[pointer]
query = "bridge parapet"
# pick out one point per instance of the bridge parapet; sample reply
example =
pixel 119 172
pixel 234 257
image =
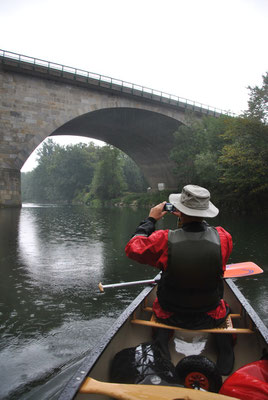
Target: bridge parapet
pixel 79 77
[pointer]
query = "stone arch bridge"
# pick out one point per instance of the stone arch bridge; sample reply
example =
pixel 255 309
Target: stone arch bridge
pixel 41 99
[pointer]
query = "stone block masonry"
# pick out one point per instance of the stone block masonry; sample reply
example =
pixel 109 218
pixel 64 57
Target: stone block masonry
pixel 10 192
pixel 37 102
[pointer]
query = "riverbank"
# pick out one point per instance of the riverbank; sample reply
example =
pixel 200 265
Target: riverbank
pixel 228 203
pixel 148 199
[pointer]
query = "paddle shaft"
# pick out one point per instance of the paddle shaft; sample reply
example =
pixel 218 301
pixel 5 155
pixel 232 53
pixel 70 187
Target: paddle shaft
pixel 237 270
pixel 112 285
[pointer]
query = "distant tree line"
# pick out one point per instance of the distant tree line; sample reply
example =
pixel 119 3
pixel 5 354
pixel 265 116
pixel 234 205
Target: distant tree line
pixel 81 173
pixel 228 155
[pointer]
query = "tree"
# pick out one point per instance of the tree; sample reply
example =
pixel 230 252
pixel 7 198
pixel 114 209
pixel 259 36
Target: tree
pixel 108 182
pixel 258 101
pixel 227 155
pixel 244 158
pixel 26 186
pixel 187 143
pixel 133 176
pixel 72 169
pixel 42 180
pixel 197 149
pixel 65 174
pixel 61 173
pixel 206 161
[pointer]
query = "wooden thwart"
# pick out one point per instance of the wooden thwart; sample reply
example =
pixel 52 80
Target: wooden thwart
pixel 226 327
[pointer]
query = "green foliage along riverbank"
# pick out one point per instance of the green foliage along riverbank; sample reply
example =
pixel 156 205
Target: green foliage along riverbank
pixel 228 155
pixel 81 173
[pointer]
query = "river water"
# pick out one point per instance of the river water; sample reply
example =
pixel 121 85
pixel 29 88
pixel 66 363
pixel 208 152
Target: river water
pixel 51 261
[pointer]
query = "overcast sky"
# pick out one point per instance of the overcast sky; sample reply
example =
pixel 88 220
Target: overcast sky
pixel 203 50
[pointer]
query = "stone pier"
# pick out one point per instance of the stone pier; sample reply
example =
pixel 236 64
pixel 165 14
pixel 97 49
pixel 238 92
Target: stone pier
pixel 10 193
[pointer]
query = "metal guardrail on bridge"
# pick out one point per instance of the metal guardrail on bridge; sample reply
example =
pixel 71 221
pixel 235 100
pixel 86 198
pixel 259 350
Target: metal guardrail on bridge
pixel 106 82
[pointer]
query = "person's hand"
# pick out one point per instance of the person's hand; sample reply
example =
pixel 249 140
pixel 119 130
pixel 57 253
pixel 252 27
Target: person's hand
pixel 157 211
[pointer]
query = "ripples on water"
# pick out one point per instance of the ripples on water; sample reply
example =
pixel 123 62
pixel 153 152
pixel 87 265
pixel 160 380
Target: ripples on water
pixel 52 259
pixel 51 312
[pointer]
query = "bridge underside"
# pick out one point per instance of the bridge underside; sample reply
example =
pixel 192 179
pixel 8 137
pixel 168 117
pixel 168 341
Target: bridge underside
pixel 146 136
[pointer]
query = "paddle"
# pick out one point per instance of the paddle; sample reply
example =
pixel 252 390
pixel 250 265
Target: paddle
pixel 146 392
pixel 232 271
pixel 242 269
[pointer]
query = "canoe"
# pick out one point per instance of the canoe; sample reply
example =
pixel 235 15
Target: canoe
pixel 133 329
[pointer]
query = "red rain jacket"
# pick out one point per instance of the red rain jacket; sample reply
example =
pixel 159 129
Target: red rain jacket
pixel 153 250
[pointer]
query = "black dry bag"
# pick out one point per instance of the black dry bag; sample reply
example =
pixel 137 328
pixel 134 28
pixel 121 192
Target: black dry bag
pixel 143 364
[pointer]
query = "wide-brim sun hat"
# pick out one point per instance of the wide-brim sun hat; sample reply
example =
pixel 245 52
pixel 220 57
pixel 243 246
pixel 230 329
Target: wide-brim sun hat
pixel 194 201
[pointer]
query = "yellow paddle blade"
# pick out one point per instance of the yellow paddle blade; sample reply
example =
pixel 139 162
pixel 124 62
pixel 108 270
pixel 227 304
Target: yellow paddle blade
pixel 146 392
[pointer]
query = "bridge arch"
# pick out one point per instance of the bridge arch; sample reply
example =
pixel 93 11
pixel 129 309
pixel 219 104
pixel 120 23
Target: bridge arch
pixel 146 136
pixel 33 109
pixel 37 102
pixel 125 124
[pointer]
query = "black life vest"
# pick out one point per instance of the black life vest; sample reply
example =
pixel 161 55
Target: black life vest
pixel 193 278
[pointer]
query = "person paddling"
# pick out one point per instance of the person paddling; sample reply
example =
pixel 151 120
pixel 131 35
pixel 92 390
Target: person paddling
pixel 192 259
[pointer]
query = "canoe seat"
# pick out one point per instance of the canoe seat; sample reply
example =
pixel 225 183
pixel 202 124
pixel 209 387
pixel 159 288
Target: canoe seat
pixel 226 327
